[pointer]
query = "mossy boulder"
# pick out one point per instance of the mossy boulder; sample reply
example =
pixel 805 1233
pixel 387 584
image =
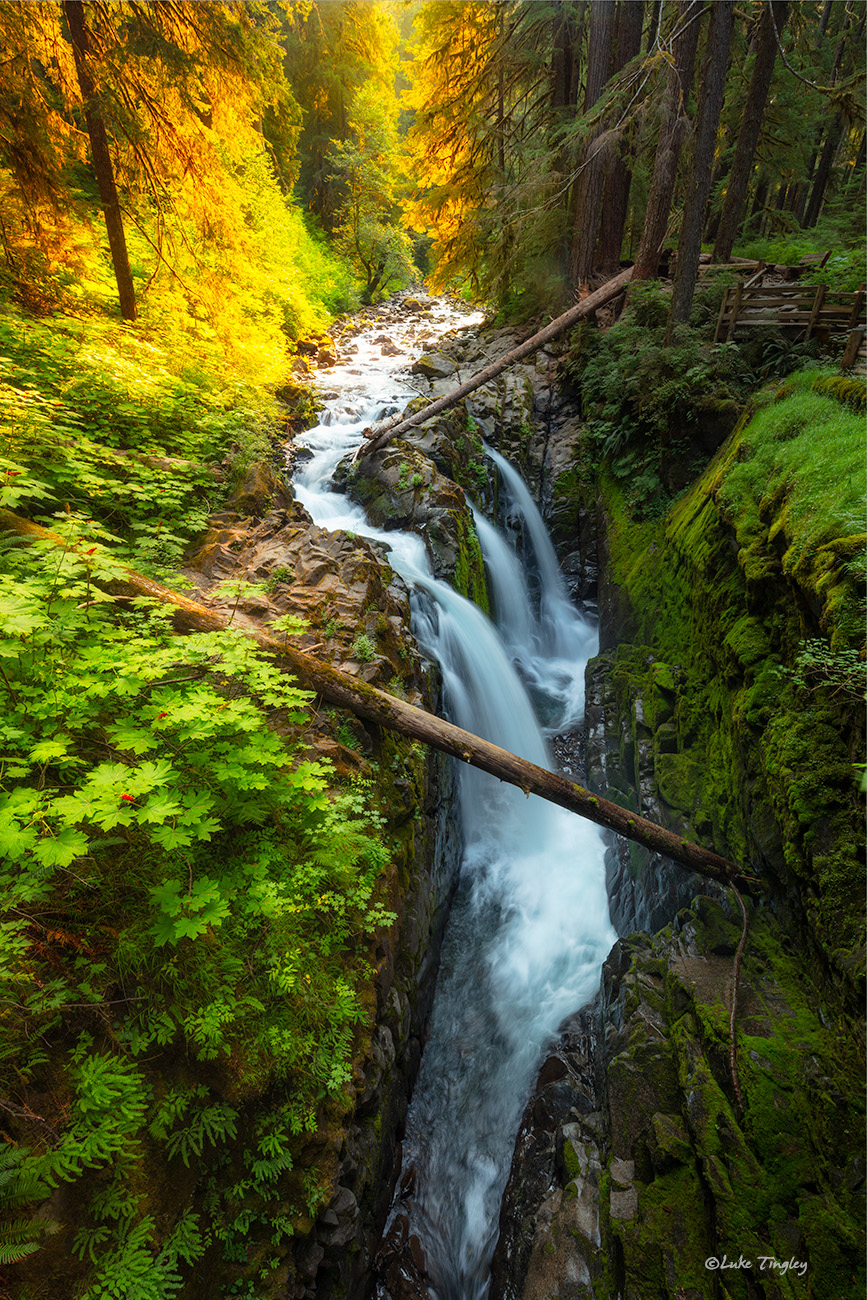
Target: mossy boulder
pixel 401 488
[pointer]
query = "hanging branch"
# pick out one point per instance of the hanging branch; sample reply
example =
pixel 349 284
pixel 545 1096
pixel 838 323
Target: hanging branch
pixel 348 692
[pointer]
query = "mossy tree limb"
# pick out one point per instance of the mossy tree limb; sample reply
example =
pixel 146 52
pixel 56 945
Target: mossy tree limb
pixel 385 710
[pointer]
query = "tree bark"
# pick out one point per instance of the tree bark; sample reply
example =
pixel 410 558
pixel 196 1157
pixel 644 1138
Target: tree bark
pixel 587 195
pixel 671 132
pixel 99 152
pixel 565 83
pixel 809 189
pixel 384 710
pixel 719 39
pixel 618 172
pixel 773 20
pixel 379 435
pixel 823 171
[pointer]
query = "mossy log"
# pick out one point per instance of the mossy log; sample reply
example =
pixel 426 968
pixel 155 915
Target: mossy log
pixel 379 434
pixel 385 710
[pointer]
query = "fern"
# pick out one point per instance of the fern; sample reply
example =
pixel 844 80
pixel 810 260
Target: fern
pixel 19 1185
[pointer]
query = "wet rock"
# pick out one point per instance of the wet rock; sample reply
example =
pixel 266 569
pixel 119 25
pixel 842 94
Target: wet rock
pixel 549 1219
pixel 400 1263
pixel 630 700
pixel 433 365
pixel 259 490
pixel 686 1175
pixel 401 488
pixel 356 608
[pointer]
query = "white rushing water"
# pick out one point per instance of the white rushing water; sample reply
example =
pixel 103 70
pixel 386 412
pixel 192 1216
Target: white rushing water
pixel 529 928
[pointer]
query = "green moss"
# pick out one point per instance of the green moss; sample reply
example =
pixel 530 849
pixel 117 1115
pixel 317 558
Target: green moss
pixel 748 641
pixel 757 765
pixel 678 778
pixel 470 568
pixel 571 1160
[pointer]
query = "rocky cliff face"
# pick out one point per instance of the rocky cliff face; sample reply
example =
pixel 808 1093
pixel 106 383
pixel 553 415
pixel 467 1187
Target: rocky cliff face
pixel 638 1172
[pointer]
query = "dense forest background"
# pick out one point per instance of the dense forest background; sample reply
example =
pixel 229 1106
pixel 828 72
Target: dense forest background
pixel 269 163
pixel 190 194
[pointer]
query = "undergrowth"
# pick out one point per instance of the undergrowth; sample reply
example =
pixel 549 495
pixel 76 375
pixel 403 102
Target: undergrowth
pixel 645 398
pixel 186 902
pixel 185 909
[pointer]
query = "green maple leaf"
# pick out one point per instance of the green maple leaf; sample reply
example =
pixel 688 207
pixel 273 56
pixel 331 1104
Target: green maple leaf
pixel 44 750
pixel 171 837
pixel 66 846
pixel 125 735
pixel 159 808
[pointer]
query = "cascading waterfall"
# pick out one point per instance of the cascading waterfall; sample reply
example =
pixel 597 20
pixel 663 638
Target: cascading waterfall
pixel 529 927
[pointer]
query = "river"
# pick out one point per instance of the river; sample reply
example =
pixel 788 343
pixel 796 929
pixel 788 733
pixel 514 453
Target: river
pixel 529 927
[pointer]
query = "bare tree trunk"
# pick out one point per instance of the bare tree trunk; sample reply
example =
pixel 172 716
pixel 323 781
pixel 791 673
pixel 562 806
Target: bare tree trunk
pixel 618 173
pixel 856 176
pixel 99 151
pixel 773 20
pixel 811 192
pixel 384 710
pixel 379 435
pixel 823 171
pixel 671 133
pixel 719 39
pixel 567 25
pixel 587 195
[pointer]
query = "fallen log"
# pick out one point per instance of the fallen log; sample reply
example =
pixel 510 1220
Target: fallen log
pixel 379 434
pixel 385 710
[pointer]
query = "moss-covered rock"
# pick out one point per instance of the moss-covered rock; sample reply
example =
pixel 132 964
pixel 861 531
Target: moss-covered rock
pixel 401 488
pixel 690 1188
pixel 744 752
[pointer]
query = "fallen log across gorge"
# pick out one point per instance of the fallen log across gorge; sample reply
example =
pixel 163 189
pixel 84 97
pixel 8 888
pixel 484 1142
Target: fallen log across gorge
pixel 379 434
pixel 368 702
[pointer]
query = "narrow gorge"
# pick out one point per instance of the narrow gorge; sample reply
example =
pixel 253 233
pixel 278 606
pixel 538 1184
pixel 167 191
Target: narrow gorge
pixel 645 1150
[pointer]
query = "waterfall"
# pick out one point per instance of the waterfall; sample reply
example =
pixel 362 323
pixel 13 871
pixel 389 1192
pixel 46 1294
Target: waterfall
pixel 529 928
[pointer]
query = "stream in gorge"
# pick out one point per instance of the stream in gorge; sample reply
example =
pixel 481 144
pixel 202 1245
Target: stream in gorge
pixel 529 927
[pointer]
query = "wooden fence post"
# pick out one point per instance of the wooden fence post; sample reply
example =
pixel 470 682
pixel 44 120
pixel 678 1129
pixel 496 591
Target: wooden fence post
pixel 736 306
pixel 821 290
pixel 721 317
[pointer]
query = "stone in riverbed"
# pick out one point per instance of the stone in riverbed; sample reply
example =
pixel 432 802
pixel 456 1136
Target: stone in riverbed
pixel 433 365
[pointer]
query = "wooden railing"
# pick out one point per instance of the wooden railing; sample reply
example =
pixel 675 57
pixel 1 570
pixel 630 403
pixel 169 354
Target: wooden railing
pixel 805 308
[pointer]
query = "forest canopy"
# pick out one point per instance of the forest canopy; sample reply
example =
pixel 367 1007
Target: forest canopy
pixel 267 162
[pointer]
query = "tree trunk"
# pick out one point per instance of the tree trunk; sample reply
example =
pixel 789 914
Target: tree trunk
pixel 587 195
pixel 719 39
pixel 856 176
pixel 379 435
pixel 773 20
pixel 99 152
pixel 811 194
pixel 618 173
pixel 823 171
pixel 757 212
pixel 384 710
pixel 671 132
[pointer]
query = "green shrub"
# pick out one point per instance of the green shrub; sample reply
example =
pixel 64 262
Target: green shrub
pixel 172 868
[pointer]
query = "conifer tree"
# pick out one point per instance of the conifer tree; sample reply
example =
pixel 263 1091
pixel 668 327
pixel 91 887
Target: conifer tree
pixel 772 21
pixel 101 156
pixel 673 122
pixel 710 103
